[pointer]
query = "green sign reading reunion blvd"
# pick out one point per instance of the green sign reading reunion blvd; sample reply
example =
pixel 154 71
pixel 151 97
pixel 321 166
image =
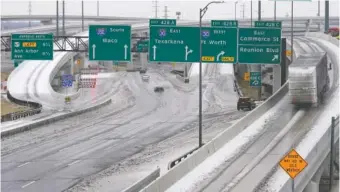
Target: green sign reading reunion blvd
pixel 259 45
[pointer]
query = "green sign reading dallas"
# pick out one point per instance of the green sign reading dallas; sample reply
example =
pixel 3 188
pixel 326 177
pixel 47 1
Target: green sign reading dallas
pixel 181 44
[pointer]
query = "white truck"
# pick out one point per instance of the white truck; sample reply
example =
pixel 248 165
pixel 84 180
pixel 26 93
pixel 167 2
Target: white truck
pixel 308 79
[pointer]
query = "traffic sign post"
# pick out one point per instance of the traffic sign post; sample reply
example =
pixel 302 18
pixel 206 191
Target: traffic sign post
pixel 168 22
pixel 67 80
pixel 255 79
pixel 224 23
pixel 293 164
pixel 174 44
pixel 142 46
pixel 181 44
pixel 32 47
pixel 109 43
pixel 259 46
pixel 268 24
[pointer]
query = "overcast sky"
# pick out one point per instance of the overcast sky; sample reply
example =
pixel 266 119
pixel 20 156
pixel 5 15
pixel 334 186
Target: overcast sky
pixel 145 8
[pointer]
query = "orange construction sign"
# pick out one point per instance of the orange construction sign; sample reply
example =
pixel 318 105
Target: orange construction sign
pixel 293 163
pixel 288 52
pixel 246 76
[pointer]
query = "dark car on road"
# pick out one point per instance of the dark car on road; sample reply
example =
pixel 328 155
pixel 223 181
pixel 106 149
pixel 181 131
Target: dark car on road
pixel 158 89
pixel 245 103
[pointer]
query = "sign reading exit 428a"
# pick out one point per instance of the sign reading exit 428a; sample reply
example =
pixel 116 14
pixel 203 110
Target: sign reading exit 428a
pixel 109 43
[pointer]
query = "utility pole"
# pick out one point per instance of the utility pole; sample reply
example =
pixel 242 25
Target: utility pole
pixel 178 15
pixel 97 8
pixel 63 17
pixel 29 13
pixel 82 15
pixel 243 7
pixel 292 32
pixel 259 10
pixel 251 13
pixel 165 12
pixel 274 10
pixel 235 8
pixel 326 15
pixel 156 8
pixel 57 19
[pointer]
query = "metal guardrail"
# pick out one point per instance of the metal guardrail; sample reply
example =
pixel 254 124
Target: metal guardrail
pixel 17 115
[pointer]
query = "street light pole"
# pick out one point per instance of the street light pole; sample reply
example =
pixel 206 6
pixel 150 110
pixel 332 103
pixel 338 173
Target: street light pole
pixel 251 13
pixel 202 13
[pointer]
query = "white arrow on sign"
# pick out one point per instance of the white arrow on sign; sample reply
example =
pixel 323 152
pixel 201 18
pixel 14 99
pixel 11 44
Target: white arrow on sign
pixel 94 51
pixel 125 51
pixel 219 55
pixel 255 82
pixel 154 52
pixel 187 52
pixel 276 57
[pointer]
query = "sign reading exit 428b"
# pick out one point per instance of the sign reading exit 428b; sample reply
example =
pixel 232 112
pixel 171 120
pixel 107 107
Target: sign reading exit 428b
pixel 110 42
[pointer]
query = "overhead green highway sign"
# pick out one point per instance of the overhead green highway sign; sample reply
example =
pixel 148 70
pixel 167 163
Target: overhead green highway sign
pixel 174 44
pixel 259 45
pixel 109 43
pixel 255 79
pixel 219 45
pixel 143 45
pixel 181 44
pixel 224 23
pixel 32 47
pixel 168 22
pixel 268 24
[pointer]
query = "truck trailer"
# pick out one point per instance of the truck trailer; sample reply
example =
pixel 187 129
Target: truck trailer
pixel 308 79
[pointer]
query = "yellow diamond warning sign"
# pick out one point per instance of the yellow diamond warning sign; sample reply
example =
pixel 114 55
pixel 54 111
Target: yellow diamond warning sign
pixel 293 163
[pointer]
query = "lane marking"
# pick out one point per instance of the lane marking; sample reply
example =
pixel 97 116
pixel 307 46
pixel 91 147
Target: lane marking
pixel 24 164
pixel 74 162
pixel 30 183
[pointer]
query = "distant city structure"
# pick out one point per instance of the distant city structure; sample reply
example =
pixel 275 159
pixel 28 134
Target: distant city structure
pixel 155 2
pixel 178 14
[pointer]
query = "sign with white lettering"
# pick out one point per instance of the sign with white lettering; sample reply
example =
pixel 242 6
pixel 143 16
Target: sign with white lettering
pixel 181 44
pixel 259 45
pixel 109 43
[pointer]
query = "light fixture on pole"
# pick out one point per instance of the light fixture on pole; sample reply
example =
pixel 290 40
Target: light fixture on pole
pixel 202 13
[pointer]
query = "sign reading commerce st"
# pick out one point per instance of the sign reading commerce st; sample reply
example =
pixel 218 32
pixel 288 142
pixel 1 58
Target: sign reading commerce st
pixel 259 45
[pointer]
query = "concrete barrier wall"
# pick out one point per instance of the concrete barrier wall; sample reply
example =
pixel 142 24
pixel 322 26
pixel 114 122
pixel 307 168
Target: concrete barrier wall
pixel 47 121
pixel 325 37
pixel 172 176
pixel 144 182
pixel 314 158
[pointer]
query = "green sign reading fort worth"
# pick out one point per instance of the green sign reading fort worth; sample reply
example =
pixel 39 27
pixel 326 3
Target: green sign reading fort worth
pixel 32 47
pixel 259 46
pixel 219 45
pixel 181 44
pixel 168 22
pixel 109 43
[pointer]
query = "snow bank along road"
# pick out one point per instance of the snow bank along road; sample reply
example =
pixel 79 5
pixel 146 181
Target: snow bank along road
pixel 225 171
pixel 59 155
